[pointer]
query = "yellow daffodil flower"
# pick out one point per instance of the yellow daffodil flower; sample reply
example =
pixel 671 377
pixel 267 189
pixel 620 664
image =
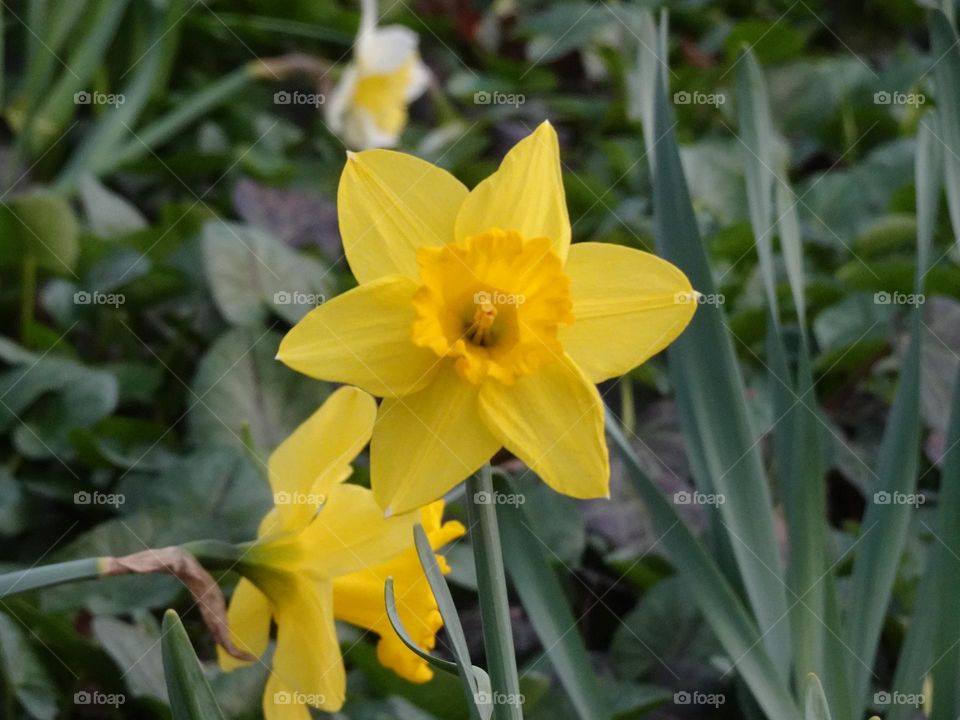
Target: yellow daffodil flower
pixel 479 323
pixel 323 553
pixel 368 107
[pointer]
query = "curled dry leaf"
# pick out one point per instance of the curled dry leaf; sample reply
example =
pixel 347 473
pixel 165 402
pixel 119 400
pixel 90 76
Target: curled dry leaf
pixel 188 570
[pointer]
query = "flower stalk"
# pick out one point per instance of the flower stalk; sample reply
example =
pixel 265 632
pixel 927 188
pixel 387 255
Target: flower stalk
pixel 492 590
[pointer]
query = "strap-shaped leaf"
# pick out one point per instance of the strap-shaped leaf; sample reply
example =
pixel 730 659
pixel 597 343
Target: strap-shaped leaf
pixel 710 394
pixel 542 597
pixel 397 623
pixel 713 593
pixel 814 702
pixel 190 695
pixel 466 670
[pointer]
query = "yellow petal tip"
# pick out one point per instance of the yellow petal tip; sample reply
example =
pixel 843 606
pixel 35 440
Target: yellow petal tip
pixel 351 155
pixel 388 513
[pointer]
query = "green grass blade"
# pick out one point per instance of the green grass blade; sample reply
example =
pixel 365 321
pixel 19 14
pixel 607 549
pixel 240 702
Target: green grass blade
pixel 791 246
pixel 835 654
pixel 451 621
pixel 190 695
pixel 757 149
pixel 946 73
pixel 929 181
pixel 946 689
pixel 543 598
pixel 59 105
pixel 712 405
pixel 113 129
pixel 187 111
pixel 814 701
pixel 916 656
pixel 886 521
pixel 720 605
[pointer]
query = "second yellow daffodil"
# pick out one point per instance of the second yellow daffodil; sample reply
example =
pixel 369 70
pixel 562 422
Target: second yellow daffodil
pixel 323 554
pixel 479 323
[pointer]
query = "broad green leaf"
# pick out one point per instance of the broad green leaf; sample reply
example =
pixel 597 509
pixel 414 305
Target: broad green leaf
pixel 135 650
pixel 190 695
pixel 23 672
pixel 665 634
pixel 542 596
pixel 251 273
pixel 239 384
pixel 107 213
pixel 711 400
pixel 46 398
pixel 39 227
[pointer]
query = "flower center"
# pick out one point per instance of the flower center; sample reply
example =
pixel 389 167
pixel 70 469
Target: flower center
pixel 480 331
pixel 494 302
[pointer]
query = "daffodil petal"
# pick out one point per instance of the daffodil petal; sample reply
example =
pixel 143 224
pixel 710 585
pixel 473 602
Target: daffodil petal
pixel 424 444
pixel 628 305
pixel 358 599
pixel 318 454
pixel 390 204
pixel 384 49
pixel 282 703
pixel 353 533
pixel 525 194
pixel 249 619
pixel 307 658
pixel 362 338
pixel 553 421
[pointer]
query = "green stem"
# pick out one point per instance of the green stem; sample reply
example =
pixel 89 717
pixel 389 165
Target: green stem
pixel 492 589
pixel 20 581
pixel 28 289
pixel 212 554
pixel 216 554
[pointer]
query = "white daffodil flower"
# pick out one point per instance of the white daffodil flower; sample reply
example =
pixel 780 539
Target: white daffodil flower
pixel 368 107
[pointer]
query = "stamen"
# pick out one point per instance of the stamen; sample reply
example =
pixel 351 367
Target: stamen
pixel 480 331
